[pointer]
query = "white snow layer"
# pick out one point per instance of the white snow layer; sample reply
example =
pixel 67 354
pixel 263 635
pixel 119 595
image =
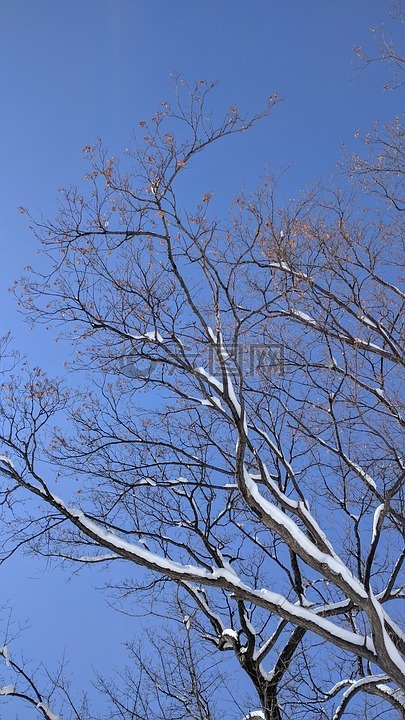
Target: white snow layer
pixel 367 321
pixel 211 379
pixel 154 335
pixel 335 565
pixel 212 402
pixel 376 519
pixel 6 460
pixel 392 651
pixel 278 602
pixel 281 265
pixel 303 316
pixel 228 632
pixel 212 335
pixel 7 690
pixel 4 651
pixel 47 710
pixel 151 335
pixel 365 476
pixel 356 685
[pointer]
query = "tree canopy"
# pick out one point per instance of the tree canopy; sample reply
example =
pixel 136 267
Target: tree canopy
pixel 240 432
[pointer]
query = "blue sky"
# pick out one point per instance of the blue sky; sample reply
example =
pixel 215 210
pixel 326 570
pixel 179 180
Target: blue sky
pixel 74 70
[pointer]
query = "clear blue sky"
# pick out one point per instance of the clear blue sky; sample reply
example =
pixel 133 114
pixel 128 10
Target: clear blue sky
pixel 73 70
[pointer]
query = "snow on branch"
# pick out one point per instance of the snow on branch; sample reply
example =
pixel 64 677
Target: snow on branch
pixel 6 461
pixel 227 579
pixel 374 684
pixel 210 378
pixel 301 544
pixel 4 651
pixel 47 711
pixel 7 690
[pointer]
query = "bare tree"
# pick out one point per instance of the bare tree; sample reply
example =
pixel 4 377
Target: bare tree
pixel 35 687
pixel 381 170
pixel 241 437
pixel 385 50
